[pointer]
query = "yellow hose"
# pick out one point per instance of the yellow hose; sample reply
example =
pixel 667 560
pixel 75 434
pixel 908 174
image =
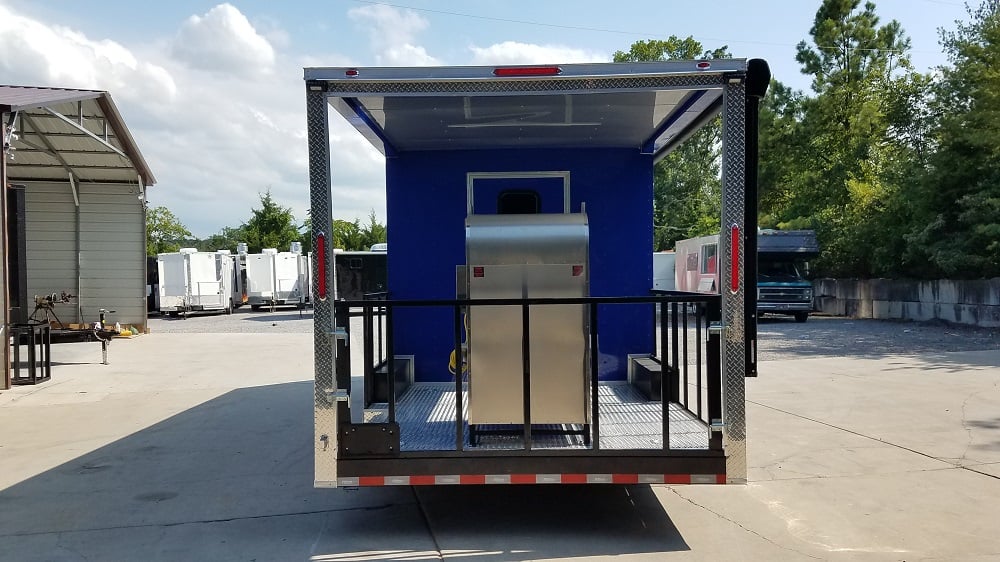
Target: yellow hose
pixel 452 367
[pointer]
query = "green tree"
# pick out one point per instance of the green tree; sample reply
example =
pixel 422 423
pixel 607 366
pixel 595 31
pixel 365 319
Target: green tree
pixel 164 231
pixel 686 183
pixel 225 239
pixel 843 175
pixel 957 226
pixel 373 232
pixel 270 226
pixel 784 151
pixel 347 235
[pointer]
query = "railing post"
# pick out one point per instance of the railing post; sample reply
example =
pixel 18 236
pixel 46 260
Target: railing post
pixel 684 356
pixel 699 312
pixel 380 317
pixel 342 358
pixel 526 385
pixel 367 328
pixel 459 360
pixel 664 356
pixel 674 394
pixel 390 363
pixel 595 418
pixel 713 363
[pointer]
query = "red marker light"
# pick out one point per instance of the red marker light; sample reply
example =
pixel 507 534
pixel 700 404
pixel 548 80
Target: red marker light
pixel 734 267
pixel 321 265
pixel 509 71
pixel 704 65
pixel 351 72
pixel 577 270
pixel 479 271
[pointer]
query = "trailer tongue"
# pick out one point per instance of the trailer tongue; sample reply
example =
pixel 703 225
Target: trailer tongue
pixel 519 340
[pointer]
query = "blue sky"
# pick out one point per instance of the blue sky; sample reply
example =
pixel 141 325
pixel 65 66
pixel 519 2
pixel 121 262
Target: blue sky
pixel 213 92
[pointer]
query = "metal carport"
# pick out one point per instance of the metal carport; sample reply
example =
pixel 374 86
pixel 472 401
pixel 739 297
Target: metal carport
pixel 74 202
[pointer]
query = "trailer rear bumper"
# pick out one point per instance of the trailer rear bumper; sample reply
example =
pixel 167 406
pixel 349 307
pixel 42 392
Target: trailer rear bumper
pixel 701 467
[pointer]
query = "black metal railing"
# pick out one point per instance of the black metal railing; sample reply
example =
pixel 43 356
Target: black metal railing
pixel 683 326
pixel 683 329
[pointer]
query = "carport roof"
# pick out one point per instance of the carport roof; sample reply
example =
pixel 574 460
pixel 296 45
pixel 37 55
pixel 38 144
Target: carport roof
pixel 58 131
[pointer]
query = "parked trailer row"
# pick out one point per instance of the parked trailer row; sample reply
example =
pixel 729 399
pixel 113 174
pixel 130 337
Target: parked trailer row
pixel 277 278
pixel 193 281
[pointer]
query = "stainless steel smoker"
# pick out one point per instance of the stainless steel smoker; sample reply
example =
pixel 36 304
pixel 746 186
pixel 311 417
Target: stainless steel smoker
pixel 527 256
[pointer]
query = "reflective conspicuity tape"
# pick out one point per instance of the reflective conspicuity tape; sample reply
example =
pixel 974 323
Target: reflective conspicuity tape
pixel 457 479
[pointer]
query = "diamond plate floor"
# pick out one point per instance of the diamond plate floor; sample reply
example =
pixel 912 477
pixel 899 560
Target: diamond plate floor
pixel 426 416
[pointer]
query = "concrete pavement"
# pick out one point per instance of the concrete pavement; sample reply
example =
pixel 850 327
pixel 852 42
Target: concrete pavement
pixel 199 446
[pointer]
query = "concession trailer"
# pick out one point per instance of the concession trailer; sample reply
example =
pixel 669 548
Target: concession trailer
pixel 520 339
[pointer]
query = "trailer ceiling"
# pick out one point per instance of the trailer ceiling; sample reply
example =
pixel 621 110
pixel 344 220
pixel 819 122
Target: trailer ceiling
pixel 646 106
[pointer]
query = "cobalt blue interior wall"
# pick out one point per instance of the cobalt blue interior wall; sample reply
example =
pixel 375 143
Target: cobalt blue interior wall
pixel 426 209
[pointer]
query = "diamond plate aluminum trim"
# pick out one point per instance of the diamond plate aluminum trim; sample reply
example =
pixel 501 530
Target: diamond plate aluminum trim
pixel 617 83
pixel 325 412
pixel 733 187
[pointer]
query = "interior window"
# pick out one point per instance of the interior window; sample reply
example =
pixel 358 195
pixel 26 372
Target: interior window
pixel 518 202
pixel 708 258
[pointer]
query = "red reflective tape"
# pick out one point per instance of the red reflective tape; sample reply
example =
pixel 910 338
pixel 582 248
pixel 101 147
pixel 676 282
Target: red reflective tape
pixel 734 267
pixel 527 71
pixel 676 478
pixel 480 479
pixel 577 270
pixel 321 265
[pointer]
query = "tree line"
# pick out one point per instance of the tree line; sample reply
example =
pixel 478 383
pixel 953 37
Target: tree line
pixel 896 170
pixel 269 226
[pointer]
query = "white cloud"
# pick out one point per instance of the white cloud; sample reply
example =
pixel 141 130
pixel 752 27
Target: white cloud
pixel 34 54
pixel 512 52
pixel 271 29
pixel 406 55
pixel 214 143
pixel 393 33
pixel 223 40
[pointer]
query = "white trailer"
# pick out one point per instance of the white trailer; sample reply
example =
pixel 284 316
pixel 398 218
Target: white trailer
pixel 277 278
pixel 697 264
pixel 663 271
pixel 193 281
